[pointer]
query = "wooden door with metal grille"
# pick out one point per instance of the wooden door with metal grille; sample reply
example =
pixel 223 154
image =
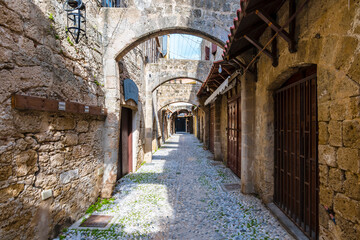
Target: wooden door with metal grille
pixel 212 128
pixel 296 157
pixel 234 136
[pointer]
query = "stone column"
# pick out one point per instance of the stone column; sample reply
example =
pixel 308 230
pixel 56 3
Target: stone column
pixel 112 128
pixel 148 119
pixel 248 87
pixel 217 131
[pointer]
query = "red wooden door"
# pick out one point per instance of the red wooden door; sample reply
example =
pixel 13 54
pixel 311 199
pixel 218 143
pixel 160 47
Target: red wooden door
pixel 212 128
pixel 234 135
pixel 125 146
pixel 296 161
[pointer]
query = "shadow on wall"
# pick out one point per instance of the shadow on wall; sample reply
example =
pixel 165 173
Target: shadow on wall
pixel 40 150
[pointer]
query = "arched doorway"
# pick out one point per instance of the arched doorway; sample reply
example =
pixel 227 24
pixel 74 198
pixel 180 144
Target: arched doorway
pixel 121 39
pixel 296 155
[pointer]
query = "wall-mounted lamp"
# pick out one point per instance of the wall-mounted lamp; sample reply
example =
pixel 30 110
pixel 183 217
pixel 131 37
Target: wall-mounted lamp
pixel 76 19
pixel 220 69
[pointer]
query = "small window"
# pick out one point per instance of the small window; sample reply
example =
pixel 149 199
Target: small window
pixel 207 53
pixel 213 48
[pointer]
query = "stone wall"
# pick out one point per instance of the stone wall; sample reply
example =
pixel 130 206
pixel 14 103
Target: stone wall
pixel 41 150
pixel 177 92
pixel 328 36
pixel 133 66
pixel 168 69
pixel 218 150
pixel 223 127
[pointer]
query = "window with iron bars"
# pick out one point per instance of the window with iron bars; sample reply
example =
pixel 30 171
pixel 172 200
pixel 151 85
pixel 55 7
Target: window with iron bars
pixel 114 3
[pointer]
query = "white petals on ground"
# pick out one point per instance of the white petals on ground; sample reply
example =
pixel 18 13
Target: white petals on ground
pixel 179 196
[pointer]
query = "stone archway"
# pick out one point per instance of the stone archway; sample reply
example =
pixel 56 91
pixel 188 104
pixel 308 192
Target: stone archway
pixel 168 69
pixel 176 78
pixel 125 28
pixel 179 100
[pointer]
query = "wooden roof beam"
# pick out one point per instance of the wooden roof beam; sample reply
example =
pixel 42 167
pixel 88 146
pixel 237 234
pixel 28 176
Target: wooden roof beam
pixel 274 26
pixel 259 46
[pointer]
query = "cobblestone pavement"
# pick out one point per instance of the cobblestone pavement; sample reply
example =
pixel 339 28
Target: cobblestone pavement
pixel 180 196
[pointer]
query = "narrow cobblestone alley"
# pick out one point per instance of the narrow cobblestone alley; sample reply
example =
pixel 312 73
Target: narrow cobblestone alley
pixel 180 196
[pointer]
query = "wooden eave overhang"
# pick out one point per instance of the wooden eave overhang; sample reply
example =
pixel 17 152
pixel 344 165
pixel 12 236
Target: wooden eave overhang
pixel 250 25
pixel 215 79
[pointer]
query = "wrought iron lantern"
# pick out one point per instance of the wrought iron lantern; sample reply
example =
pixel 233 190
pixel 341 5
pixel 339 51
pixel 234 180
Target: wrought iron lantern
pixel 76 19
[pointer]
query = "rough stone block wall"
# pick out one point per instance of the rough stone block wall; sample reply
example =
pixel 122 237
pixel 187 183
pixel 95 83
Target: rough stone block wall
pixel 40 150
pixel 223 126
pixel 177 92
pixel 132 66
pixel 218 153
pixel 328 36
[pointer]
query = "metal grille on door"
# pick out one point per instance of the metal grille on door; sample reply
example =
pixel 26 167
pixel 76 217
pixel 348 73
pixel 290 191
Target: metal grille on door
pixel 212 128
pixel 234 136
pixel 296 160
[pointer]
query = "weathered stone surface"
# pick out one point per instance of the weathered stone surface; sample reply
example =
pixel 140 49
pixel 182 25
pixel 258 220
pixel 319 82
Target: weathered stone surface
pixel 346 50
pixel 10 19
pixel 323 174
pixel 327 155
pixel 82 126
pixel 11 191
pixel 68 176
pixel 25 123
pixel 323 133
pixel 340 109
pixel 326 196
pixel 336 179
pixel 63 124
pixel 352 186
pixel 324 111
pixel 347 208
pixel 26 163
pixel 349 159
pixel 343 87
pixel 351 130
pixel 326 78
pixel 5 172
pixel 354 71
pixel 57 160
pixel 347 229
pixel 335 132
pixel 45 180
pixel 71 139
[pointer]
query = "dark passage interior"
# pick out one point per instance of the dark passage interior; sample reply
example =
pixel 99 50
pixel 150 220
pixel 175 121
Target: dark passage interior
pixel 180 125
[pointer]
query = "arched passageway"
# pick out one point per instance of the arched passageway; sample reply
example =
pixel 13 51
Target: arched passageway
pixel 168 69
pixel 125 28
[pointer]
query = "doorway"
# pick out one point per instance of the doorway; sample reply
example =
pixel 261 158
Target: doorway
pixel 296 157
pixel 180 124
pixel 212 128
pixel 234 135
pixel 125 144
